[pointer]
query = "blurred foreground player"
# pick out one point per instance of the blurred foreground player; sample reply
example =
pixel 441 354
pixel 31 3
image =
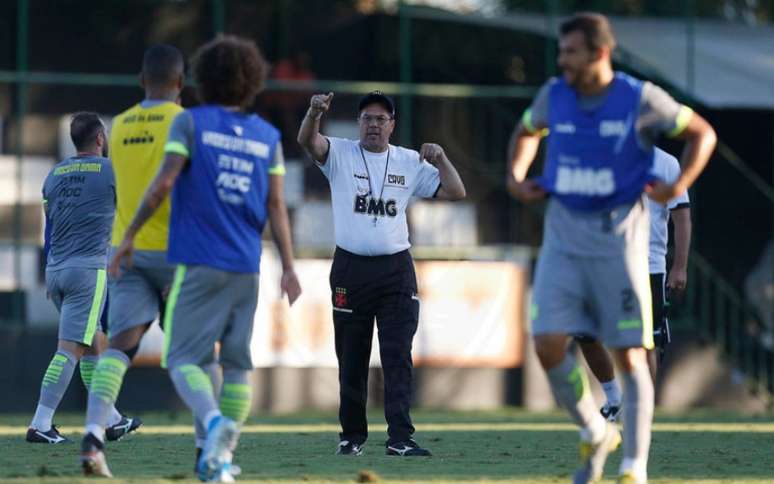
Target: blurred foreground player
pixel 592 273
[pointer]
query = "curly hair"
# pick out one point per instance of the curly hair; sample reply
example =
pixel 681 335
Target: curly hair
pixel 229 70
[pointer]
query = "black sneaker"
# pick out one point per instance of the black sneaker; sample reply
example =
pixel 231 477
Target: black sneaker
pixel 610 412
pixel 51 436
pixel 349 448
pixel 93 460
pixel 125 426
pixel 407 448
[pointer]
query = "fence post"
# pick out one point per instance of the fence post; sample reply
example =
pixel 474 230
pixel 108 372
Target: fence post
pixel 22 28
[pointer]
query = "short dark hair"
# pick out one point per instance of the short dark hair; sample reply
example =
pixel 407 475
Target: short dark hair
pixel 229 70
pixel 162 64
pixel 595 27
pixel 84 128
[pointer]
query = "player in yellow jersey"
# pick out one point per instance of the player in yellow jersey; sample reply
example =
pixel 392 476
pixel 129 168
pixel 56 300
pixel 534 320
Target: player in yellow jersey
pixel 136 298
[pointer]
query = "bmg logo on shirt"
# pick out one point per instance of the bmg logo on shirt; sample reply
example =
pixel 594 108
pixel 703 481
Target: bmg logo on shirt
pixel 371 206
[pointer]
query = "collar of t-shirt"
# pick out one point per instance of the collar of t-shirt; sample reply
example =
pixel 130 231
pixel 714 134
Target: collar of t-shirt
pixel 152 103
pixel 375 166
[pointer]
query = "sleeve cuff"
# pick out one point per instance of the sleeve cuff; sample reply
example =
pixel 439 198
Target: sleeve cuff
pixel 177 148
pixel 683 118
pixel 526 121
pixel 680 206
pixel 278 170
pixel 435 193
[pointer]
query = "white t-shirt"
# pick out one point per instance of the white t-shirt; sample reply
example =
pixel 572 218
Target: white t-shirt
pixel 370 193
pixel 667 168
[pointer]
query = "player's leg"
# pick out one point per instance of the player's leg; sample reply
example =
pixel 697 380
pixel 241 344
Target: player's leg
pixel 80 296
pixel 353 326
pixel 116 422
pixel 558 309
pixel 198 308
pixel 236 362
pixel 637 411
pixel 601 364
pixel 134 304
pixel 623 302
pixel 55 382
pixel 661 333
pixel 215 375
pixel 397 317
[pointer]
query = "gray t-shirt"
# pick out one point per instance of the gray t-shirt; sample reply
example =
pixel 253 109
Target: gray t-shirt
pixel 79 197
pixel 659 113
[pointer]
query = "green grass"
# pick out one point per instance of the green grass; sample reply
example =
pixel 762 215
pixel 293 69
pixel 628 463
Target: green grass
pixel 502 446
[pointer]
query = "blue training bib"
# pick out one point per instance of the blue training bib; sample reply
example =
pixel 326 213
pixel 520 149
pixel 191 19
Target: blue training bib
pixel 219 200
pixel 594 161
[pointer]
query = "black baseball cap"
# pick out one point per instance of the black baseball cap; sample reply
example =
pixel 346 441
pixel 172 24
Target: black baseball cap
pixel 377 97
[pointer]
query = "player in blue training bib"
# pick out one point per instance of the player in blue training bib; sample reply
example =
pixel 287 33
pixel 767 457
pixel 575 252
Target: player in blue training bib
pixel 226 167
pixel 591 277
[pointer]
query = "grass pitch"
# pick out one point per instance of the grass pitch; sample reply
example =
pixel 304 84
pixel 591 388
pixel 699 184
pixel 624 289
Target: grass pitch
pixel 502 446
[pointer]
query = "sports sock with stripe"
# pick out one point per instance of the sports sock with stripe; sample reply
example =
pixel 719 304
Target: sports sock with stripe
pixel 213 371
pixel 195 389
pixel 638 402
pixel 571 389
pixel 55 382
pixel 105 386
pixel 236 396
pixel 88 365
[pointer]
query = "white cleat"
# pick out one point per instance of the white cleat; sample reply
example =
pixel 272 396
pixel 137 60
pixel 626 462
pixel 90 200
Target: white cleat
pixel 215 462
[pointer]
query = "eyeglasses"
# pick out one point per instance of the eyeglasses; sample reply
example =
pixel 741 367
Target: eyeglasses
pixel 380 120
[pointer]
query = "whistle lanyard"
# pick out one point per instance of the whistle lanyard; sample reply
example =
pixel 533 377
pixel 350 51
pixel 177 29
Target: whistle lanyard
pixel 368 172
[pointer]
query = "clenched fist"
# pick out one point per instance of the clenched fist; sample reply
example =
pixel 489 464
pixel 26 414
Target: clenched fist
pixel 432 152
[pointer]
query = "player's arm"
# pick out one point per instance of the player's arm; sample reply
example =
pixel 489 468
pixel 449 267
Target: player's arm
pixel 309 136
pixel 678 274
pixel 280 231
pixel 700 140
pixel 523 147
pixel 667 116
pixel 451 187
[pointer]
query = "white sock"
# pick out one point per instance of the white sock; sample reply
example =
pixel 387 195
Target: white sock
pixel 42 419
pixel 115 417
pixel 636 466
pixel 612 392
pixel 97 431
pixel 595 431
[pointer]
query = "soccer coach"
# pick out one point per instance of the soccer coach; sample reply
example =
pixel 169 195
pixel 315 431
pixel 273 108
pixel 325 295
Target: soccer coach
pixel 373 275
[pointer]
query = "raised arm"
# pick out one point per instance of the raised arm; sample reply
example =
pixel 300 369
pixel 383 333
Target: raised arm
pixel 309 136
pixel 451 187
